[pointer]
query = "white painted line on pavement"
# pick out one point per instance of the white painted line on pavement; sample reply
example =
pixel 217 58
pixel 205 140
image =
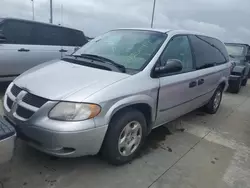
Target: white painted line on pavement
pixel 237 171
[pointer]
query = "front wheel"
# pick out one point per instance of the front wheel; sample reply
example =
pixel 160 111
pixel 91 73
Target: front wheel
pixel 125 136
pixel 214 103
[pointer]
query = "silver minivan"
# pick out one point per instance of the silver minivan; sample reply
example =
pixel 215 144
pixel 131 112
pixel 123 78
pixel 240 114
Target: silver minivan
pixel 24 44
pixel 112 92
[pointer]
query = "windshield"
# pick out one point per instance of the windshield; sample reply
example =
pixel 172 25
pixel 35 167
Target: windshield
pixel 131 48
pixel 234 50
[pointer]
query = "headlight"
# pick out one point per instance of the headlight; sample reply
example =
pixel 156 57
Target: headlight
pixel 69 111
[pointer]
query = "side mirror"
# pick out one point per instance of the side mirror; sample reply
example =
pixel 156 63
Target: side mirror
pixel 2 38
pixel 171 66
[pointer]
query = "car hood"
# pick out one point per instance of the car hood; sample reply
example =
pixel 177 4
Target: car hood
pixel 59 80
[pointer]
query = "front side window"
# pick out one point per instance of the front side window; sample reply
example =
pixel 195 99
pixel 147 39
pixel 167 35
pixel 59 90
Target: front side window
pixel 131 48
pixel 179 48
pixel 207 54
pixel 17 32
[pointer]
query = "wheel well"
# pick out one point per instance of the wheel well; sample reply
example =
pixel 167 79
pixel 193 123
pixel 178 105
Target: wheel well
pixel 223 85
pixel 142 107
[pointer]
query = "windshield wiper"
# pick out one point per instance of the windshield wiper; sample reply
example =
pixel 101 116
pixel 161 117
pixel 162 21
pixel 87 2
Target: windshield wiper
pixel 102 59
pixel 231 56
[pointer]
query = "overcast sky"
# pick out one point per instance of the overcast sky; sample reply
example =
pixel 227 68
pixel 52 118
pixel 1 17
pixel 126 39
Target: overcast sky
pixel 225 19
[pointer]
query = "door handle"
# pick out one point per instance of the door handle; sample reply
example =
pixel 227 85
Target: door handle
pixel 201 81
pixel 23 50
pixel 192 84
pixel 62 50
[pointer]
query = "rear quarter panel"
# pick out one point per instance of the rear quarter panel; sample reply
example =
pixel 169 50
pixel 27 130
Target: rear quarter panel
pixel 224 70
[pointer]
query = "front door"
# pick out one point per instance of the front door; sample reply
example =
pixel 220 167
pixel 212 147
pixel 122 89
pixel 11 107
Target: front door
pixel 177 91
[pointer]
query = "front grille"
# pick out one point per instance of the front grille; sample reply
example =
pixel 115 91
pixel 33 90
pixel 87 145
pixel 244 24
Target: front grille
pixel 23 104
pixel 23 112
pixel 34 100
pixel 15 90
pixel 9 102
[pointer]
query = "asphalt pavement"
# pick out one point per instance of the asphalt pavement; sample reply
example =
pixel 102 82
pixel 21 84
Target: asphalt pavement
pixel 195 151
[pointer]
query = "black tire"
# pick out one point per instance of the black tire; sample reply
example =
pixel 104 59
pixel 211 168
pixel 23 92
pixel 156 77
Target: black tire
pixel 210 107
pixel 110 149
pixel 236 87
pixel 244 82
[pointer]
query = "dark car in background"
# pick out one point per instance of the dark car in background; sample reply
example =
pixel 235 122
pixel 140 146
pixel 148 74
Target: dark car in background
pixel 240 57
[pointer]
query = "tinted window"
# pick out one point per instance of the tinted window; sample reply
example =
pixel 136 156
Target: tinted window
pixel 220 47
pixel 179 48
pixel 79 38
pixel 208 51
pixel 47 35
pixel 73 37
pixel 17 32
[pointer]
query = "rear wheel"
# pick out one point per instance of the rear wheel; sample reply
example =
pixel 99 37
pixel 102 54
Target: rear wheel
pixel 126 134
pixel 213 105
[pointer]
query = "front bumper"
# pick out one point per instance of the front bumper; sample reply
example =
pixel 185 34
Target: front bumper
pixel 62 143
pixel 58 138
pixel 7 141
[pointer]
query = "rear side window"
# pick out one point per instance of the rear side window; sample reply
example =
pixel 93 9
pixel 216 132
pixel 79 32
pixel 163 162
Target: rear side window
pixel 80 38
pixel 47 35
pixel 17 32
pixel 73 37
pixel 220 46
pixel 208 51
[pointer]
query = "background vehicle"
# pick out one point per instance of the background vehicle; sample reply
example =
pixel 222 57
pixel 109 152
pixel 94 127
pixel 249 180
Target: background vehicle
pixel 24 44
pixel 240 57
pixel 114 90
pixel 7 141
